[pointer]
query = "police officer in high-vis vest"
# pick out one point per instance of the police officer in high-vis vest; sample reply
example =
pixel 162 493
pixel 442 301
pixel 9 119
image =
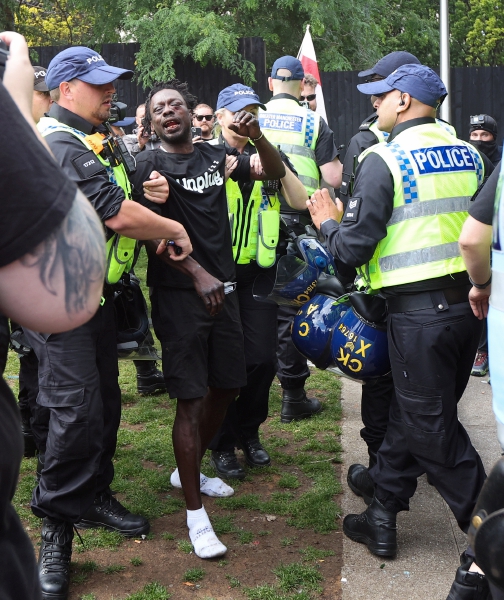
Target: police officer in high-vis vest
pixel 401 229
pixel 309 143
pixel 377 393
pixel 78 371
pixel 254 209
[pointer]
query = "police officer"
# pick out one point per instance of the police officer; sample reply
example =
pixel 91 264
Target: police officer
pixel 377 393
pixel 309 143
pixel 400 229
pixel 78 372
pixel 252 206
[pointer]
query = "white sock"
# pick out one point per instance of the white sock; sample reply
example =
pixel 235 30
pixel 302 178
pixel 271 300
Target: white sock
pixel 213 486
pixel 206 543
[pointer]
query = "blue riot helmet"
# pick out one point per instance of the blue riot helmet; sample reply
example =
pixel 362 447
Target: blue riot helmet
pixel 359 345
pixel 315 254
pixel 134 340
pixel 313 326
pixel 294 284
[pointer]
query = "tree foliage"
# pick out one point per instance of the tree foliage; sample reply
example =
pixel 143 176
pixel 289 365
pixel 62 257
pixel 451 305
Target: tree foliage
pixel 348 34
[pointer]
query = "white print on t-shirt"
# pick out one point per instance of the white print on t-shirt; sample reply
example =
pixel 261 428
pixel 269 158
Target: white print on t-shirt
pixel 203 182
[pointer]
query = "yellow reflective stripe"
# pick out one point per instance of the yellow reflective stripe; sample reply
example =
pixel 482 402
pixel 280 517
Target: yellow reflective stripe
pixel 298 150
pixel 427 208
pixel 420 256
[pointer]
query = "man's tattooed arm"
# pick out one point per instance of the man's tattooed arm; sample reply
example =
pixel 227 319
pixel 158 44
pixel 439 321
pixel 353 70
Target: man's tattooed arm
pixel 57 286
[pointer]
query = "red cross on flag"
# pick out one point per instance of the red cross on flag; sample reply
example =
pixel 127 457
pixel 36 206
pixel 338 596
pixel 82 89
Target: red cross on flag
pixel 308 59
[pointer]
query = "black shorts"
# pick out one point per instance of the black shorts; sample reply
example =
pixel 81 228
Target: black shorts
pixel 198 350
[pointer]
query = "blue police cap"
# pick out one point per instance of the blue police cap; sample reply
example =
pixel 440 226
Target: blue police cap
pixel 236 97
pixel 421 82
pixel 290 64
pixel 85 64
pixel 389 63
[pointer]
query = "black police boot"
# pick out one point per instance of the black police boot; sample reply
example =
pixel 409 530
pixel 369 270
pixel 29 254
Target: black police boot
pixel 149 378
pixel 375 527
pixel 297 406
pixel 30 449
pixel 360 482
pixel 54 559
pixel 109 513
pixel 469 585
pixel 226 464
pixel 255 454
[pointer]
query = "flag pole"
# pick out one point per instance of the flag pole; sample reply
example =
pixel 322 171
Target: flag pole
pixel 444 57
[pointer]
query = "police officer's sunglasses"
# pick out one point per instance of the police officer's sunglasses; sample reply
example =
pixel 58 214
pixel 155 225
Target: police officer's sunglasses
pixel 201 117
pixel 308 98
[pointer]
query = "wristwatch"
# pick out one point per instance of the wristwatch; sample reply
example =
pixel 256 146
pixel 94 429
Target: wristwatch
pixel 481 286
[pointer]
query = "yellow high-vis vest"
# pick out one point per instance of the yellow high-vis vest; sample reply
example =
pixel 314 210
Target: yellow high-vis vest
pixel 120 250
pixel 435 175
pixel 295 129
pixel 244 218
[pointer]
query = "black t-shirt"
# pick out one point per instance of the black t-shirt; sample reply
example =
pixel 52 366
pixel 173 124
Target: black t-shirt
pixel 198 201
pixel 36 197
pixel 482 208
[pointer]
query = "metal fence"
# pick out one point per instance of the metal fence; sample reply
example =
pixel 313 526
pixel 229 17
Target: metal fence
pixel 475 90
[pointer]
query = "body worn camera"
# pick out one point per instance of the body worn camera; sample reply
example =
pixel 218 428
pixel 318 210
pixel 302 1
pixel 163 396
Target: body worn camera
pixel 114 148
pixel 4 55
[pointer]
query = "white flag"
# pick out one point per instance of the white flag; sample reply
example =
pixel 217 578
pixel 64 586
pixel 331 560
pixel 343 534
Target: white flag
pixel 308 59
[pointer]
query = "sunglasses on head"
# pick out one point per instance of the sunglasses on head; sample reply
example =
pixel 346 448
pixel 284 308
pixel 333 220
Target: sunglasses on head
pixel 373 78
pixel 201 117
pixel 308 98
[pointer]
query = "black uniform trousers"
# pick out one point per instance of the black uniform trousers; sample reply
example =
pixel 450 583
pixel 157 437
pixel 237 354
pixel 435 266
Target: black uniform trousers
pixel 293 368
pixel 78 384
pixel 259 322
pixel 36 415
pixel 375 407
pixel 431 355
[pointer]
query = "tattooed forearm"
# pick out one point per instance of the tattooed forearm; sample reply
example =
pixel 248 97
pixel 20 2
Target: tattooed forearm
pixel 77 247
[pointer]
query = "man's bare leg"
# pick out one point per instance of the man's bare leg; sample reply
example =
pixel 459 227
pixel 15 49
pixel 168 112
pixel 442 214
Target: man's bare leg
pixel 196 422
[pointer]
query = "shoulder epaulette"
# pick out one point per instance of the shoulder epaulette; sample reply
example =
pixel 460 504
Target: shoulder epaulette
pixel 366 124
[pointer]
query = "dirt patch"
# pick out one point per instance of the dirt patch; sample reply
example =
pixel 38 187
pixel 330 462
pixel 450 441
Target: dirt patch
pixel 273 543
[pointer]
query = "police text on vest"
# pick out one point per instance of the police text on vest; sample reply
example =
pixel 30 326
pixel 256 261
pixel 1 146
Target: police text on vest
pixel 442 159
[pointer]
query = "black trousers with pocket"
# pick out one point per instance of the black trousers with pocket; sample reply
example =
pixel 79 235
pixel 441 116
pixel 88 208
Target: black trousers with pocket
pixel 246 414
pixel 78 385
pixel 431 355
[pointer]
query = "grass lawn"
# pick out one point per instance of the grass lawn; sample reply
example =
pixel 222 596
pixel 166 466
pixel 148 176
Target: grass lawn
pixel 281 526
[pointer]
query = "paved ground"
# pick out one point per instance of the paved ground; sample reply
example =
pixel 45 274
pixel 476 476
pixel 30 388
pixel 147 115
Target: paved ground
pixel 428 537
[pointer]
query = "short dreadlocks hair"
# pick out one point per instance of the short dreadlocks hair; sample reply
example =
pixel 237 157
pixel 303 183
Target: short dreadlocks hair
pixel 172 84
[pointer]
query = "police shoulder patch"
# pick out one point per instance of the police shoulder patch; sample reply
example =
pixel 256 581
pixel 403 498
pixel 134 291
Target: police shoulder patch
pixel 87 165
pixel 352 209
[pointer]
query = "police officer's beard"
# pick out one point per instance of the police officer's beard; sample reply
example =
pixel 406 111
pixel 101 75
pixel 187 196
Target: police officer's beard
pixel 102 115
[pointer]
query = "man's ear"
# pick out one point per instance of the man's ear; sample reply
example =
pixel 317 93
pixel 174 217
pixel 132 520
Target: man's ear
pixel 270 84
pixel 404 102
pixel 66 90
